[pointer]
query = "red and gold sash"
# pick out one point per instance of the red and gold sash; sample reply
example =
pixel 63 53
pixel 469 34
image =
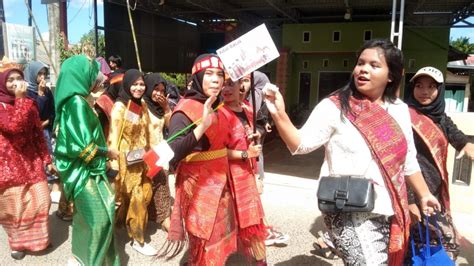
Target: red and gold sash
pixel 389 148
pixel 437 144
pixel 200 179
pixel 243 184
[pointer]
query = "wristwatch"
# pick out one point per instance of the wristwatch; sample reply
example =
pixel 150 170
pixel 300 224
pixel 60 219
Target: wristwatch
pixel 244 155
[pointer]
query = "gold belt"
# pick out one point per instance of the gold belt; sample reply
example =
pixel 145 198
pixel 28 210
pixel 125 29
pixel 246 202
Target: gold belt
pixel 206 155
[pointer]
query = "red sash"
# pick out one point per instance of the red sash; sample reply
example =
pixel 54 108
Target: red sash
pixel 199 184
pixel 388 145
pixel 437 143
pixel 243 185
pixel 106 104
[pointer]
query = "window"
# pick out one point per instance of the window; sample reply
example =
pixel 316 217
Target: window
pixel 411 63
pixel 325 62
pixel 367 35
pixel 336 36
pixel 305 64
pixel 345 63
pixel 306 36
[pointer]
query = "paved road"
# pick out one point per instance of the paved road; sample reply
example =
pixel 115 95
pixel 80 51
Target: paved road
pixel 290 205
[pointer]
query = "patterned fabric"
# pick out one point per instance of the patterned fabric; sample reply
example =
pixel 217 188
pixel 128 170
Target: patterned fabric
pixel 22 160
pixel 92 224
pixel 360 238
pixel 389 147
pixel 249 207
pixel 437 143
pixel 160 207
pixel 203 203
pixel 133 187
pixel 24 216
pixel 223 239
pixel 433 137
pixel 105 104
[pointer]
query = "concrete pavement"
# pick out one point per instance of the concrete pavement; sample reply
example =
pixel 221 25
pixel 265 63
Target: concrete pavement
pixel 290 204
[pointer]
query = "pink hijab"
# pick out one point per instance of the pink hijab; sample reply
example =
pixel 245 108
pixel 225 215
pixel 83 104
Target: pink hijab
pixel 5 95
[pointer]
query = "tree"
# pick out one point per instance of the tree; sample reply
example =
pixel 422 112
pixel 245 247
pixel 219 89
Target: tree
pixel 86 46
pixel 89 39
pixel 463 44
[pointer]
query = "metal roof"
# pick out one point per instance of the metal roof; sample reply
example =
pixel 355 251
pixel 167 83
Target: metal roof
pixel 274 13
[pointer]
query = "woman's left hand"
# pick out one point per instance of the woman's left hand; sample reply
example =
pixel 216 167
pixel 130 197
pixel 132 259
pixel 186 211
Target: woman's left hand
pixel 467 150
pixel 52 169
pixel 163 102
pixel 429 204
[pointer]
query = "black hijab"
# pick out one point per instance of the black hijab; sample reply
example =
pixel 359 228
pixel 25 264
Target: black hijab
pixel 434 110
pixel 196 92
pixel 125 94
pixel 151 80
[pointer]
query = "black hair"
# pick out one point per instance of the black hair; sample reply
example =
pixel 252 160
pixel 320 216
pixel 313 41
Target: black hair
pixel 116 59
pixel 393 57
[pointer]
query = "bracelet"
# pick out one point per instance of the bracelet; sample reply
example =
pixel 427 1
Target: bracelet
pixel 244 156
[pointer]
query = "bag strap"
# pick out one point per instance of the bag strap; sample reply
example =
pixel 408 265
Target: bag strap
pixel 342 192
pixel 427 234
pixel 427 238
pixel 413 250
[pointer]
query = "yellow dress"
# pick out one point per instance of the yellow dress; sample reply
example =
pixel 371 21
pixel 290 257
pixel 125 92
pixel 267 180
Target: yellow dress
pixel 133 187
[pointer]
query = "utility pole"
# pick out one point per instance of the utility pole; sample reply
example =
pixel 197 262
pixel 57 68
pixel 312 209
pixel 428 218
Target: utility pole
pixel 30 23
pixel 2 19
pixel 54 30
pixel 96 33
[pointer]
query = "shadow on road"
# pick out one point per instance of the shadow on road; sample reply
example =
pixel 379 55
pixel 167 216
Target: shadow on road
pixel 304 260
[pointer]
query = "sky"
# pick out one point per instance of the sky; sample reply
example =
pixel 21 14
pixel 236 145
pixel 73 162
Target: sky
pixel 81 17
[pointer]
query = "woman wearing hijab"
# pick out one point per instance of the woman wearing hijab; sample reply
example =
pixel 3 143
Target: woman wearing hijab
pixel 81 153
pixel 433 131
pixel 160 113
pixel 131 131
pixel 103 105
pixel 203 211
pixel 24 193
pixel 35 75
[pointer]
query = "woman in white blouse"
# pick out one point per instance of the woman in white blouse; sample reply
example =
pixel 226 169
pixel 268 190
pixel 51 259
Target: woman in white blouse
pixel 366 131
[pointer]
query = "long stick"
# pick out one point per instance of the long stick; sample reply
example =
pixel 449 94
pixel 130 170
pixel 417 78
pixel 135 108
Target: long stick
pixel 134 37
pixel 41 38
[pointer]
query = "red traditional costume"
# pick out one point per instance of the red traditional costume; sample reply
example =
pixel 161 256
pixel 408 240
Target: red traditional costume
pixel 24 194
pixel 203 197
pixel 244 188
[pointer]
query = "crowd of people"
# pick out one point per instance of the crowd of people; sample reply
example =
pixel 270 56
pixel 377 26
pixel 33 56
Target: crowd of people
pixel 93 131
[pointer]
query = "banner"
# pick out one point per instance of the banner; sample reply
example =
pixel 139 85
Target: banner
pixel 19 43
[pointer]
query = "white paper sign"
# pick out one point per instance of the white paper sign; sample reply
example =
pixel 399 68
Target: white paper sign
pixel 248 53
pixel 165 154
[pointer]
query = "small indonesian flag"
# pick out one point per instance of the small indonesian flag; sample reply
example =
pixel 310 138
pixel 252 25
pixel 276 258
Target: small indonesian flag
pixel 133 112
pixel 157 158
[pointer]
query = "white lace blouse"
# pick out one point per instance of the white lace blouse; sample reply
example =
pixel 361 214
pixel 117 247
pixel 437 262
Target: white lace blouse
pixel 346 152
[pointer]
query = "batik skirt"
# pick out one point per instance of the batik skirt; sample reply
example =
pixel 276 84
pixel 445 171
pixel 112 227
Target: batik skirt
pixel 360 238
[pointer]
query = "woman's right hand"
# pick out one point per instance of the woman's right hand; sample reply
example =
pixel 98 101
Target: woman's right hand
pixel 254 150
pixel 20 89
pixel 273 99
pixel 207 112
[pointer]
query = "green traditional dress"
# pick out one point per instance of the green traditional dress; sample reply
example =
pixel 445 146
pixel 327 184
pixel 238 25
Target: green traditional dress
pixel 80 158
